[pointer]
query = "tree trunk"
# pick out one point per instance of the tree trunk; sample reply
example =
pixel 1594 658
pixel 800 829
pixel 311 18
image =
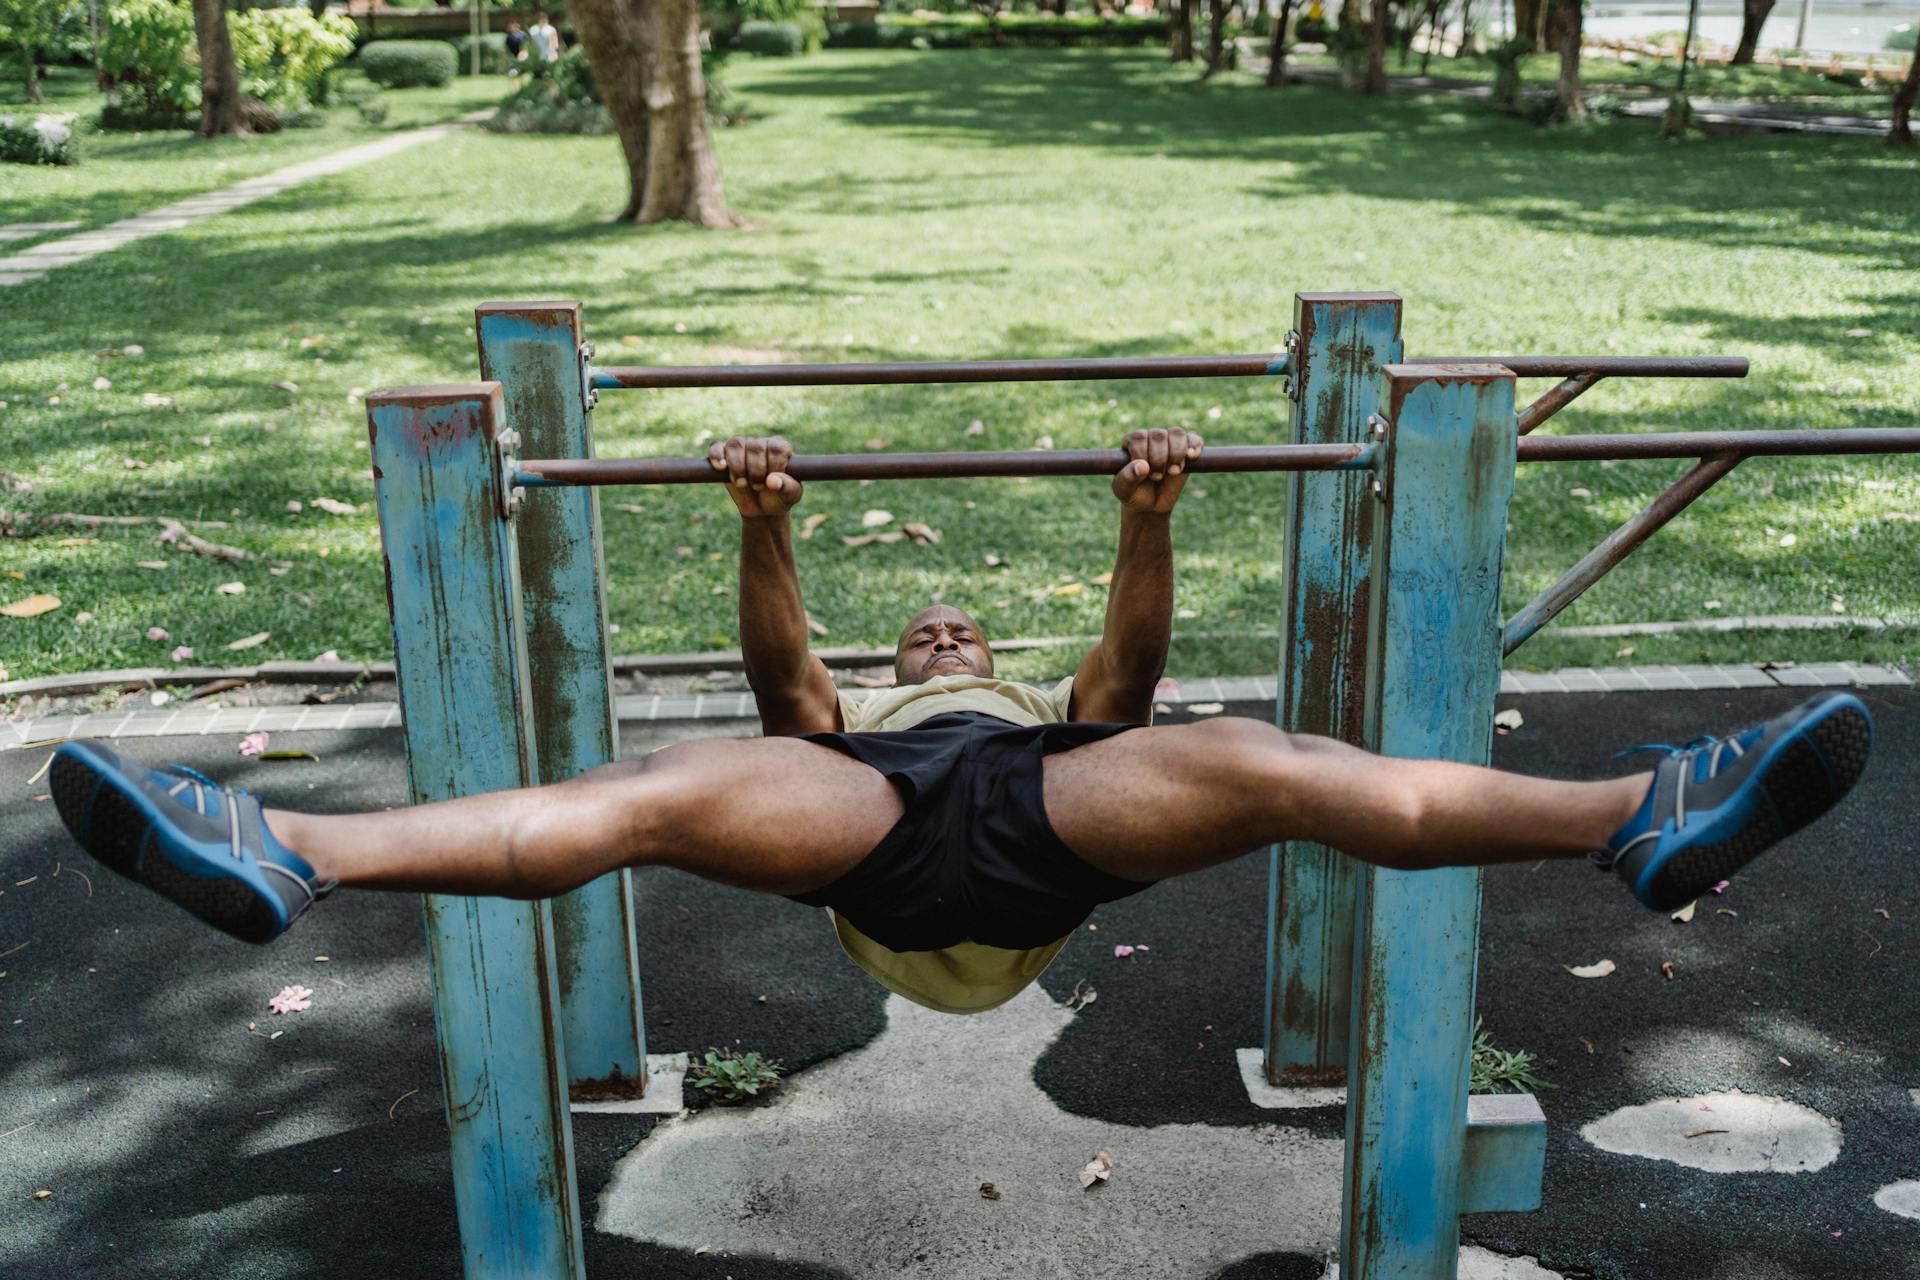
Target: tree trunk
pixel 1216 38
pixel 1465 46
pixel 1902 130
pixel 1180 31
pixel 317 7
pixel 1753 16
pixel 1376 81
pixel 1526 19
pixel 1277 51
pixel 219 77
pixel 614 36
pixel 1566 23
pixel 1433 25
pixel 683 174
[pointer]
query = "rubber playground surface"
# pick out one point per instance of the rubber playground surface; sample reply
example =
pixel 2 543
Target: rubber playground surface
pixel 183 1129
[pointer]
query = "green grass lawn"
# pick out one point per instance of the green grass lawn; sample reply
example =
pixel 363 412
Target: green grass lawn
pixel 923 205
pixel 122 174
pixel 1709 80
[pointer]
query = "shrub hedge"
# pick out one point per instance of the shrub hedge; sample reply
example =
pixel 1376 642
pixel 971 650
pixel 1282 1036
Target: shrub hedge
pixel 770 39
pixel 407 64
pixel 960 31
pixel 493 53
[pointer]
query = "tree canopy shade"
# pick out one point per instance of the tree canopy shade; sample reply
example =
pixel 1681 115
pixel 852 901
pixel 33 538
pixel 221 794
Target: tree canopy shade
pixel 645 56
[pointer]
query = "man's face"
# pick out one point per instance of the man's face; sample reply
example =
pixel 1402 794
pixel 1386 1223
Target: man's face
pixel 943 641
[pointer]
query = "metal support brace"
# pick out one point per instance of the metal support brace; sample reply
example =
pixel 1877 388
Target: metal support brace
pixel 1432 673
pixel 1339 343
pixel 535 351
pixel 460 651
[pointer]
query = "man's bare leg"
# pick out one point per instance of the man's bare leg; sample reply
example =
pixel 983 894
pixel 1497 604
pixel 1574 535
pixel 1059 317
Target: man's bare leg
pixel 777 815
pixel 1157 802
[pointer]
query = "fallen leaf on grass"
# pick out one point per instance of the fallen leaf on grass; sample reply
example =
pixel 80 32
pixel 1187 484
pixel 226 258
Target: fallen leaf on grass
pixel 330 656
pixel 335 507
pixel 877 444
pixel 253 744
pixel 152 564
pixel 249 642
pixel 994 561
pixel 181 653
pixel 156 633
pixel 976 428
pixel 920 533
pixel 32 607
pixel 875 518
pixel 1102 580
pixel 893 535
pixel 813 522
pixel 1070 589
pixel 1685 914
pixel 293 999
pixel 1098 1169
pixel 1206 708
pixel 1598 969
pixel 232 589
pixel 289 386
pixel 76 542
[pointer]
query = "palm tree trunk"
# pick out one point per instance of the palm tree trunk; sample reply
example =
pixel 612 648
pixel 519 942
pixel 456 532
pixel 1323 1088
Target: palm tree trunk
pixel 219 77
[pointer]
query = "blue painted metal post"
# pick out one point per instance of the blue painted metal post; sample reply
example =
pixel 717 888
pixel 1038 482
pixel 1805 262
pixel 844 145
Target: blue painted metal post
pixel 536 353
pixel 453 584
pixel 1340 341
pixel 1439 532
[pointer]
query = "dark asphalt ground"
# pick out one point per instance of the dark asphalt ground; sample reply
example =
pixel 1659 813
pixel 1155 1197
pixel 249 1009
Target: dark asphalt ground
pixel 178 1144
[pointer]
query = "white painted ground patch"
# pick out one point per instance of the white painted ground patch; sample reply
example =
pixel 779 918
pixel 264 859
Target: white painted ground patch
pixel 1902 1198
pixel 1762 1134
pixel 1484 1264
pixel 872 1164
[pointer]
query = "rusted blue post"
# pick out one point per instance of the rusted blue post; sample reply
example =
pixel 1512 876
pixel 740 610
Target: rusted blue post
pixel 1439 526
pixel 453 583
pixel 536 353
pixel 1340 341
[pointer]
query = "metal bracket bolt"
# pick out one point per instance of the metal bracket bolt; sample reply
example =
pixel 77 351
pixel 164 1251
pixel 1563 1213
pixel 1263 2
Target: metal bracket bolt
pixel 1377 426
pixel 588 396
pixel 1290 385
pixel 506 447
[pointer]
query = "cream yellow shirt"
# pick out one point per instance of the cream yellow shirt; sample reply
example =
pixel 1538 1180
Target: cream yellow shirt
pixel 967 977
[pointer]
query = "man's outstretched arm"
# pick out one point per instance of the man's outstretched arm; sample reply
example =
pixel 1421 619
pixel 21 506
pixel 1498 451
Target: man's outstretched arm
pixel 790 686
pixel 1116 679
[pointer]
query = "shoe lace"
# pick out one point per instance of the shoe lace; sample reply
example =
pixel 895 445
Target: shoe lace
pixel 1667 748
pixel 195 774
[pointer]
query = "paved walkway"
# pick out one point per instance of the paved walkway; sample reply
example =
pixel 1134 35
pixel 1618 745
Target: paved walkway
pixel 34 263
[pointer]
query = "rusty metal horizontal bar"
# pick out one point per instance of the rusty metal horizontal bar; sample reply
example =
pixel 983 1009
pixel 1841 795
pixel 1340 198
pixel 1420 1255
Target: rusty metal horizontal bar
pixel 1614 548
pixel 892 373
pixel 613 377
pixel 1604 366
pixel 1701 444
pixel 920 466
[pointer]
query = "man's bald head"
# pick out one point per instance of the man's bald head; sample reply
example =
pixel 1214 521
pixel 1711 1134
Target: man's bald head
pixel 941 641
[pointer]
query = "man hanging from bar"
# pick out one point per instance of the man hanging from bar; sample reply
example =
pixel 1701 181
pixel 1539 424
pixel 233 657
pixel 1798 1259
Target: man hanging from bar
pixel 958 827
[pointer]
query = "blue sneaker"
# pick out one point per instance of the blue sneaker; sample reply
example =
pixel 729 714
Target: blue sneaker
pixel 184 836
pixel 1717 803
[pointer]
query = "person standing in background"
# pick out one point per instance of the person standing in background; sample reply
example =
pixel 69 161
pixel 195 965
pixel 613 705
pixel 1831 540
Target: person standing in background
pixel 544 40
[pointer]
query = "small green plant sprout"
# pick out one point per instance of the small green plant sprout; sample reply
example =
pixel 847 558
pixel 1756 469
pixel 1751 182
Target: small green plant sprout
pixel 729 1076
pixel 1497 1071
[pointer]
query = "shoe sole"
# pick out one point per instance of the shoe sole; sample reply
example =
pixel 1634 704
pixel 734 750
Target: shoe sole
pixel 117 828
pixel 1810 774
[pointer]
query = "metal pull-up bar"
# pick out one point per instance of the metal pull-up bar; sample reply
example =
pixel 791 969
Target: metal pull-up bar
pixel 549 472
pixel 1118 368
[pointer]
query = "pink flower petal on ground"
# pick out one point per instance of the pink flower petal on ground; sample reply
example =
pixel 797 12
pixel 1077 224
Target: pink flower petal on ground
pixel 328 656
pixel 1143 947
pixel 156 633
pixel 1722 886
pixel 181 654
pixel 253 744
pixel 294 999
pixel 1122 951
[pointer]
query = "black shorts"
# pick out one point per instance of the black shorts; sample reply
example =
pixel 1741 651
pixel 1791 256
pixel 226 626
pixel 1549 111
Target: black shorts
pixel 973 858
